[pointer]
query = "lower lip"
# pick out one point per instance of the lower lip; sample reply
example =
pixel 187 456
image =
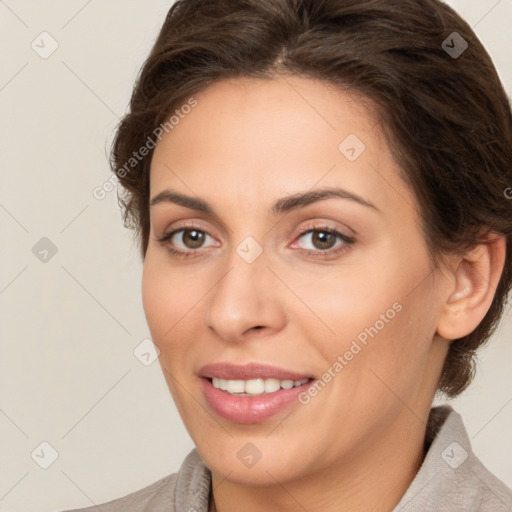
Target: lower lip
pixel 250 409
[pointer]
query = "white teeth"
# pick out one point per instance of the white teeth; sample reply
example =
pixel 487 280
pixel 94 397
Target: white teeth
pixel 235 386
pixel 255 387
pixel 287 384
pixel 272 385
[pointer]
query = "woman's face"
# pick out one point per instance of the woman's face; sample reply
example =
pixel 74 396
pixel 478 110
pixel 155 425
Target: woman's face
pixel 337 288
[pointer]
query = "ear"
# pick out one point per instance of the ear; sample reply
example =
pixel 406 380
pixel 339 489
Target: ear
pixel 475 277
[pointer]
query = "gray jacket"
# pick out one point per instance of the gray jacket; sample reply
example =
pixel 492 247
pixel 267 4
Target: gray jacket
pixel 450 479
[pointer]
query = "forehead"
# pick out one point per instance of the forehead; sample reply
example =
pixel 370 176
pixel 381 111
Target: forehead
pixel 260 138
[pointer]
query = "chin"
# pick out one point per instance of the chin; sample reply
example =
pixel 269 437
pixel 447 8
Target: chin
pixel 240 461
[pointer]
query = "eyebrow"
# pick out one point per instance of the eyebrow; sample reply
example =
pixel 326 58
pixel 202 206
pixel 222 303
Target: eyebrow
pixel 281 206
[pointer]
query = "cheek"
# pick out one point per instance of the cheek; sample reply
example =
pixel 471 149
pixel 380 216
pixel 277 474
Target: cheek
pixel 349 300
pixel 155 300
pixel 385 305
pixel 397 331
pixel 160 299
pixel 163 310
pixel 172 307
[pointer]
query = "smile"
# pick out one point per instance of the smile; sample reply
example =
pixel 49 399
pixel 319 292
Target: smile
pixel 254 387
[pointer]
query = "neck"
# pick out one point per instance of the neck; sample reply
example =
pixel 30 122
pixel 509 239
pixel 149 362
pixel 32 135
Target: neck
pixel 373 479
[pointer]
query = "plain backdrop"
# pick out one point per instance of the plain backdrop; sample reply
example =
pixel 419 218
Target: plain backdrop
pixel 70 295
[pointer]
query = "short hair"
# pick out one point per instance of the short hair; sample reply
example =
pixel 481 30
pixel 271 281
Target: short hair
pixel 431 83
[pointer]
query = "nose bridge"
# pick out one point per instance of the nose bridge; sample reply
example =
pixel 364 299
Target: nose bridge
pixel 244 297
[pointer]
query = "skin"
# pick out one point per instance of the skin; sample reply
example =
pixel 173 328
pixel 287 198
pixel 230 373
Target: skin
pixel 358 444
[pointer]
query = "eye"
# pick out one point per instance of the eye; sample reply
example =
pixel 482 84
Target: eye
pixel 322 241
pixel 191 239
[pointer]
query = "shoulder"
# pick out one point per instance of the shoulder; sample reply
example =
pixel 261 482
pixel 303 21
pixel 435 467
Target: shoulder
pixel 191 482
pixel 472 487
pixel 451 476
pixel 490 493
pixel 152 497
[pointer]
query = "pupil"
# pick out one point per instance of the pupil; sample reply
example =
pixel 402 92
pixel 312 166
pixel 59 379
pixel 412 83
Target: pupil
pixel 324 239
pixel 196 238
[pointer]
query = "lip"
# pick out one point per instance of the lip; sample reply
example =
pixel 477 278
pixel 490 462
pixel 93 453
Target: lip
pixel 248 371
pixel 250 409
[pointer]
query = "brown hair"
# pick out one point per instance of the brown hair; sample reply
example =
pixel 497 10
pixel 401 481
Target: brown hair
pixel 446 116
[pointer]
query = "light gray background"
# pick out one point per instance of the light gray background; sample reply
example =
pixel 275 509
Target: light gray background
pixel 68 328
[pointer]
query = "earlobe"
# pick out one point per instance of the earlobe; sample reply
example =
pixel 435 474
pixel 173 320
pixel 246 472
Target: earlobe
pixel 475 276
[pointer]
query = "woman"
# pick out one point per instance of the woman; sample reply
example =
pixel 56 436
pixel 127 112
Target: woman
pixel 319 191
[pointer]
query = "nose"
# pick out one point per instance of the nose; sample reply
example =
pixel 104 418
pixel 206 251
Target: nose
pixel 245 302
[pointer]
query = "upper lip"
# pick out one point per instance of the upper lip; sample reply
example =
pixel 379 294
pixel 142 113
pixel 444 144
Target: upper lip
pixel 230 371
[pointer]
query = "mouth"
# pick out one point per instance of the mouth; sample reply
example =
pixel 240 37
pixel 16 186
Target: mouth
pixel 255 387
pixel 253 392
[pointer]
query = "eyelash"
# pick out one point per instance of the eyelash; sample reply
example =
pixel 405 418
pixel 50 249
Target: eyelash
pixel 328 253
